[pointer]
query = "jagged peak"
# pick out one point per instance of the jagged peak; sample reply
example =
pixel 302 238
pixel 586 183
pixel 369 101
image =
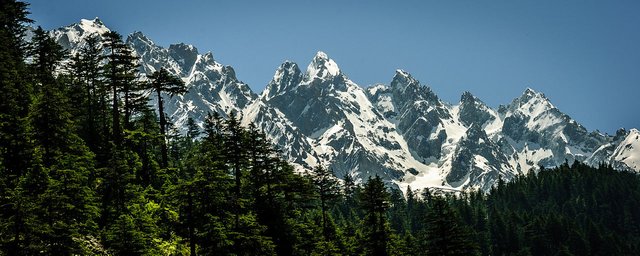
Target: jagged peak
pixel 288 65
pixel 208 56
pixel 229 71
pixel 410 88
pixel 403 79
pixel 287 68
pixel 94 22
pixel 186 52
pixel 138 35
pixel 532 97
pixel 467 97
pixel 403 73
pixel 620 134
pixel 94 26
pixel 530 93
pixel 286 76
pixel 183 47
pixel 322 67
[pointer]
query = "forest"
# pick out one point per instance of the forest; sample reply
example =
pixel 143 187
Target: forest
pixel 87 167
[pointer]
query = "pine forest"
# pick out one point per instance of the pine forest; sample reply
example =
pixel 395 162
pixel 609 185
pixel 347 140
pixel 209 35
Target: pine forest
pixel 87 167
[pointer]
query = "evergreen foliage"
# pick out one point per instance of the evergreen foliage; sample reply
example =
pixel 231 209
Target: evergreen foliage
pixel 87 168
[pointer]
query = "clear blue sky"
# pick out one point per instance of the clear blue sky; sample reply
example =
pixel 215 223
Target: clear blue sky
pixel 584 55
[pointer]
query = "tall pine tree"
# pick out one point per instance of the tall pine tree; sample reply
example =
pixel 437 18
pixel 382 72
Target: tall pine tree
pixel 164 82
pixel 374 201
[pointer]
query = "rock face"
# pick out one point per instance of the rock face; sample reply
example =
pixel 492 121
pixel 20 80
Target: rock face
pixel 212 87
pixel 401 131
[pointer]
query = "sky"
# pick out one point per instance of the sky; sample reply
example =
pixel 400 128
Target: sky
pixel 583 55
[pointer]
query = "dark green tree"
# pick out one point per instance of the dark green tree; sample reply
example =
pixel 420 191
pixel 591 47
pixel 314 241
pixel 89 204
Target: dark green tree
pixel 445 233
pixel 121 75
pixel 16 151
pixel 68 201
pixel 91 96
pixel 374 201
pixel 164 82
pixel 17 155
pixel 328 190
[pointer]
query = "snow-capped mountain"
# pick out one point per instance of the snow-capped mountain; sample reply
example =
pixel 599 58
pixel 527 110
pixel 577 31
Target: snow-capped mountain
pixel 401 131
pixel 212 87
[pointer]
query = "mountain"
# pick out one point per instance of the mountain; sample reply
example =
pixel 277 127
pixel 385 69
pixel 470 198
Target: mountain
pixel 402 131
pixel 212 87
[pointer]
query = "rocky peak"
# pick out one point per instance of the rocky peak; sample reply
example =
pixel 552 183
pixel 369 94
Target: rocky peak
pixel 322 67
pixel 467 98
pixel 138 39
pixel 403 79
pixel 287 76
pixel 183 49
pixel 407 89
pixel 229 72
pixel 208 58
pixel 620 134
pixel 74 36
pixel 186 55
pixel 91 26
pixel 473 111
pixel 531 96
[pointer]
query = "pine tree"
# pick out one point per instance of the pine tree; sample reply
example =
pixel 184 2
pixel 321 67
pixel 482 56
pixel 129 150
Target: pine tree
pixel 236 160
pixel 164 82
pixel 18 158
pixel 145 140
pixel 374 201
pixel 328 190
pixel 193 131
pixel 68 200
pixel 50 117
pixel 86 69
pixel 445 233
pixel 398 212
pixel 121 73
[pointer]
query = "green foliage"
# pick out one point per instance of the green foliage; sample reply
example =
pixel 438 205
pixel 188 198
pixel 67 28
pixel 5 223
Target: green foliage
pixel 445 234
pixel 86 168
pixel 374 201
pixel 328 190
pixel 163 81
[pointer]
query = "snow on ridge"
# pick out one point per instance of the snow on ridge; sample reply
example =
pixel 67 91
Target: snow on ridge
pixel 93 26
pixel 322 67
pixel 628 151
pixel 368 120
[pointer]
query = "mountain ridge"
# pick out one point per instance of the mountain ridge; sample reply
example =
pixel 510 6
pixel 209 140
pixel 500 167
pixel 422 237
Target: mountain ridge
pixel 402 131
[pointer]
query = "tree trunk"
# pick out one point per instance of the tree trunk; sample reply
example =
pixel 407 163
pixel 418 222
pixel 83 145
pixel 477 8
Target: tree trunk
pixel 163 131
pixel 192 237
pixel 117 134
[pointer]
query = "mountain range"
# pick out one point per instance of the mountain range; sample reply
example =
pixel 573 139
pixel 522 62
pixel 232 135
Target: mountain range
pixel 401 131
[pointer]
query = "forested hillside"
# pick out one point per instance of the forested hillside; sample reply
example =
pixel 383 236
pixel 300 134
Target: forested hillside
pixel 88 168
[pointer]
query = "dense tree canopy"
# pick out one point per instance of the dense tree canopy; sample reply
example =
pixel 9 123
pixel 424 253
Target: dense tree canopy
pixel 88 168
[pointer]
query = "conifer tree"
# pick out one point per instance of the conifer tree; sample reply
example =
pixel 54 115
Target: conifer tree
pixel 68 200
pixel 145 140
pixel 328 190
pixel 87 69
pixel 374 201
pixel 17 154
pixel 445 233
pixel 121 73
pixel 235 158
pixel 164 82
